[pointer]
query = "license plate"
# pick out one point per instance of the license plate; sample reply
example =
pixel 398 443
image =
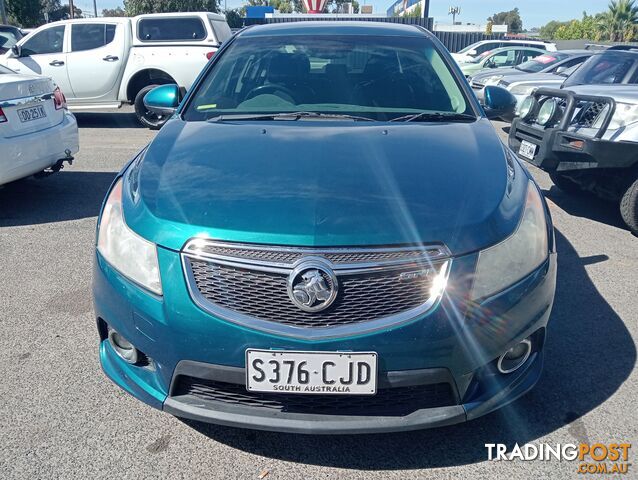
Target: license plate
pixel 333 373
pixel 31 113
pixel 527 150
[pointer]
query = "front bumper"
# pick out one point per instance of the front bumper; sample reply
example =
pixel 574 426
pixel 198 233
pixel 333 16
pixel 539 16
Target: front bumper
pixel 555 150
pixel 28 154
pixel 456 344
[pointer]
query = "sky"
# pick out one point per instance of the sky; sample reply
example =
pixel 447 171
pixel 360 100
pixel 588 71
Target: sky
pixel 535 13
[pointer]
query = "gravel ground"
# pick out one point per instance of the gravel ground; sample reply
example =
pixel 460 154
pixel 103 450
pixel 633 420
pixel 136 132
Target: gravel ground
pixel 61 417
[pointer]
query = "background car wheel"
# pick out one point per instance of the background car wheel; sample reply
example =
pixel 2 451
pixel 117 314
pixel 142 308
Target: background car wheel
pixel 565 184
pixel 144 115
pixel 629 207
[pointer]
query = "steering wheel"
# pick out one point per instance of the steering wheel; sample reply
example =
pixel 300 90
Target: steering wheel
pixel 265 89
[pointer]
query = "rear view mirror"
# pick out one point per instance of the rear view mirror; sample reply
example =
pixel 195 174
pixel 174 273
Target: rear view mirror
pixel 163 100
pixel 499 103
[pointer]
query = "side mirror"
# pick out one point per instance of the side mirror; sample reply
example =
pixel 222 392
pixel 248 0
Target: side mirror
pixel 163 100
pixel 498 103
pixel 471 53
pixel 560 69
pixel 17 51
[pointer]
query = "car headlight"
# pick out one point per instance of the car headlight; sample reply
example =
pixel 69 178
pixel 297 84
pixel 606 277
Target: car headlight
pixel 131 255
pixel 527 108
pixel 522 89
pixel 549 112
pixel 625 114
pixel 518 255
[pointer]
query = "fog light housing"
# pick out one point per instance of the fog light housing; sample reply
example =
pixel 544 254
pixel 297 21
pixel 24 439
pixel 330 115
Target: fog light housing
pixel 515 357
pixel 124 349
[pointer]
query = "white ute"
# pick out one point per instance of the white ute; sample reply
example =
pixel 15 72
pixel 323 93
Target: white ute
pixel 37 132
pixel 106 62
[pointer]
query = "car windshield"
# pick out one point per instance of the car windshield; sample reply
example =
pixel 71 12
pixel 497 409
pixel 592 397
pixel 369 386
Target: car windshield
pixel 541 62
pixel 611 67
pixel 482 56
pixel 469 47
pixel 371 77
pixel 9 37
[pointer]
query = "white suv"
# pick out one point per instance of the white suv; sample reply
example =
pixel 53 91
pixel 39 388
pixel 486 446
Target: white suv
pixel 470 52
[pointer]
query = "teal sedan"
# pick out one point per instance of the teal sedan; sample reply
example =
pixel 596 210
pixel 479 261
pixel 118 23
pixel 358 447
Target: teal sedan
pixel 327 236
pixel 500 58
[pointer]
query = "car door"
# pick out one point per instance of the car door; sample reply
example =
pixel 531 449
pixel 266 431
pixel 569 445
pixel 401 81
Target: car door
pixel 96 60
pixel 525 55
pixel 43 54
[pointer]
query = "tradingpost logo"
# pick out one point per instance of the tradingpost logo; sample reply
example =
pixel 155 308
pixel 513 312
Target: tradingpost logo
pixel 612 458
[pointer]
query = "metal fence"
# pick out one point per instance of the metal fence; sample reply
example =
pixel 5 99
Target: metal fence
pixel 454 41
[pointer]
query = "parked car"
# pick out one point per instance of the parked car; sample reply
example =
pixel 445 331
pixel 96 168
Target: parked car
pixel 586 134
pixel 306 245
pixel 521 86
pixel 105 62
pixel 469 53
pixel 550 63
pixel 37 132
pixel 499 58
pixel 9 36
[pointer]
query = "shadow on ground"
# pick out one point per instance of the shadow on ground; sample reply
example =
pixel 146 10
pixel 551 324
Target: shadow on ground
pixel 587 205
pixel 582 371
pixel 67 195
pixel 107 119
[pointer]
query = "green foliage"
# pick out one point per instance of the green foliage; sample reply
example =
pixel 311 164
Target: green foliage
pixel 415 13
pixel 138 7
pixel 488 28
pixel 114 12
pixel 234 18
pixel 618 24
pixel 33 13
pixel 512 19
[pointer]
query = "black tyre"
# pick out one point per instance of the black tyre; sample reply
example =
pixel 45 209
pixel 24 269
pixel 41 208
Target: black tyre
pixel 566 184
pixel 629 207
pixel 144 115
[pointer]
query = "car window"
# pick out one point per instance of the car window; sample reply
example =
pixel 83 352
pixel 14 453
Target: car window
pixel 171 29
pixel 88 36
pixel 377 77
pixel 506 58
pixel 611 67
pixel 221 29
pixel 526 55
pixel 486 47
pixel 541 62
pixel 50 40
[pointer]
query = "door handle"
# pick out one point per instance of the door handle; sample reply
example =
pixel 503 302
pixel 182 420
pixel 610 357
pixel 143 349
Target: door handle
pixel 56 63
pixel 111 58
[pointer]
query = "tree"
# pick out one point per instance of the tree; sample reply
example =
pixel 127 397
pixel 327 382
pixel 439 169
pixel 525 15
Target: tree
pixel 234 18
pixel 138 7
pixel 25 13
pixel 620 21
pixel 512 19
pixel 114 12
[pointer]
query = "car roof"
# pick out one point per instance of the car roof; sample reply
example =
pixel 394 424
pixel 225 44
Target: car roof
pixel 519 47
pixel 335 28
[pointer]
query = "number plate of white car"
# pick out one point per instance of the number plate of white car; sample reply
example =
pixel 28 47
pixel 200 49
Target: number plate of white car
pixel 32 113
pixel 527 150
pixel 336 373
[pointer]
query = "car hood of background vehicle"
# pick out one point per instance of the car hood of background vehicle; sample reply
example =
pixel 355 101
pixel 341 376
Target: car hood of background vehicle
pixel 319 183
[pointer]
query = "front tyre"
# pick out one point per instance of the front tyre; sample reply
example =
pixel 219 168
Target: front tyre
pixel 144 115
pixel 566 184
pixel 629 207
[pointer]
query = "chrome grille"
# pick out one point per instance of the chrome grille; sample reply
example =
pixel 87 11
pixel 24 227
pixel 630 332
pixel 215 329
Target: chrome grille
pixel 589 113
pixel 231 284
pixel 263 295
pixel 288 256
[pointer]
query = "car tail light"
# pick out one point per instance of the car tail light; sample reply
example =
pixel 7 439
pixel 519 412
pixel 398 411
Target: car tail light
pixel 3 117
pixel 59 99
pixel 209 55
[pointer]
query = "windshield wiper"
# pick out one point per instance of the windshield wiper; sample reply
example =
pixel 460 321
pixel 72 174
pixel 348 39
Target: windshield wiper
pixel 288 116
pixel 436 117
